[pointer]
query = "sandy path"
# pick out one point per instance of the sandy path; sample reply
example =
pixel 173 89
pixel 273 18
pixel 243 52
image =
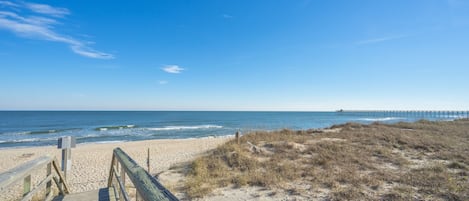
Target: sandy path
pixel 91 162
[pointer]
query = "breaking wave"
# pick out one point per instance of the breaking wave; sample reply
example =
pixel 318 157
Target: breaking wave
pixel 26 140
pixel 39 132
pixel 167 128
pixel 105 128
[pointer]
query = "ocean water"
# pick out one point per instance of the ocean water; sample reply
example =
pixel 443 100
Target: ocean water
pixel 39 128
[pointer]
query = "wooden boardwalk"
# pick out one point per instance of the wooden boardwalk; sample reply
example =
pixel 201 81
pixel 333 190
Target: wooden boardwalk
pixel 147 188
pixel 103 194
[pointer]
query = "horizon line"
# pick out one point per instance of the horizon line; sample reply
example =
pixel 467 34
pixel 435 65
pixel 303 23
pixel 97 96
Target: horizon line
pixel 340 110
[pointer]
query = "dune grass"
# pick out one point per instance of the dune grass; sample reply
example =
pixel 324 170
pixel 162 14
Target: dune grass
pixel 402 161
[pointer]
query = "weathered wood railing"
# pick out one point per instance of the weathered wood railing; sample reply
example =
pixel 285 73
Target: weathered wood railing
pixel 147 187
pixel 24 171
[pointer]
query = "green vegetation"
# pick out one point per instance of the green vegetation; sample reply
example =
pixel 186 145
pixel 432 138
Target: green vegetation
pixel 404 161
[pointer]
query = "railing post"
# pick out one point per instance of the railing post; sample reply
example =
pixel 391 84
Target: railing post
pixel 49 183
pixel 147 187
pixel 112 173
pixel 122 177
pixel 23 172
pixel 123 174
pixel 115 168
pixel 26 185
pixel 137 195
pixel 66 144
pixel 61 181
pixel 116 163
pixel 148 160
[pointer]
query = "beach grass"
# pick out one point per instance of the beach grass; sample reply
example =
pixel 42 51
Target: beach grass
pixel 403 161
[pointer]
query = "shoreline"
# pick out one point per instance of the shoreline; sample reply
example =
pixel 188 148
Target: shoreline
pixel 119 141
pixel 91 161
pixel 32 134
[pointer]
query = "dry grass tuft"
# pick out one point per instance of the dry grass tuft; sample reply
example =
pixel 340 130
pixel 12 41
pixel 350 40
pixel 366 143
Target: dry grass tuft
pixel 402 161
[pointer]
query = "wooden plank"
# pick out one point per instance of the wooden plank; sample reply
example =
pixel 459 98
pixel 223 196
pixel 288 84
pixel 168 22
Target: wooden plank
pixel 116 189
pixel 49 197
pixel 103 194
pixel 113 161
pixel 112 193
pixel 147 186
pixel 49 183
pixel 24 172
pixel 137 196
pixel 122 192
pixel 37 188
pixel 122 176
pixel 26 185
pixel 57 182
pixel 19 172
pixel 61 177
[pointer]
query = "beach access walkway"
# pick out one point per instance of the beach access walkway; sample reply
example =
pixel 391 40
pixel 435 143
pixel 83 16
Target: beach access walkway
pixel 142 185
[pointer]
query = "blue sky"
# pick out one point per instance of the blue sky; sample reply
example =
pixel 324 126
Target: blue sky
pixel 234 55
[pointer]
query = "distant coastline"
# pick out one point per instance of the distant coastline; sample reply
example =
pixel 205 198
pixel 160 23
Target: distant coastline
pixel 42 128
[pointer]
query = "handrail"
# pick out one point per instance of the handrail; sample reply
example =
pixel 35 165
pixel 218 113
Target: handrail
pixel 23 172
pixel 148 188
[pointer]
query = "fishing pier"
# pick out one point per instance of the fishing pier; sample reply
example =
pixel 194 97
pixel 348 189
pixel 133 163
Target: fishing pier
pixel 416 114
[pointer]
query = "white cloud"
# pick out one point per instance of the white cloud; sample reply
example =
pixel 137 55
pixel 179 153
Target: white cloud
pixel 41 27
pixel 46 9
pixel 172 69
pixel 378 40
pixel 88 52
pixel 8 3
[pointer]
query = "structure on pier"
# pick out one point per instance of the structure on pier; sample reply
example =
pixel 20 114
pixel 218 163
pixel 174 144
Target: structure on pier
pixel 147 187
pixel 424 114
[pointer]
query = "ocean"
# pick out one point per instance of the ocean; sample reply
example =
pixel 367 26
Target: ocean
pixel 40 128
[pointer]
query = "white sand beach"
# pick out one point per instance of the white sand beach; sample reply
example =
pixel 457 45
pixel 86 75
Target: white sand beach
pixel 91 162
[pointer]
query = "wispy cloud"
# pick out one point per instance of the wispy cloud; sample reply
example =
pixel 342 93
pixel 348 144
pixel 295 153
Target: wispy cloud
pixel 47 10
pixel 41 26
pixel 162 82
pixel 226 16
pixel 8 3
pixel 172 69
pixel 89 52
pixel 379 40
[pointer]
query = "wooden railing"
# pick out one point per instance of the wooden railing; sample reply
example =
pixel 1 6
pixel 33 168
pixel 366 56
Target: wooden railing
pixel 24 171
pixel 147 187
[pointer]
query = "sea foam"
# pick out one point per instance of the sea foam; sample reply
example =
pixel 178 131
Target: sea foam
pixel 185 127
pixel 105 128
